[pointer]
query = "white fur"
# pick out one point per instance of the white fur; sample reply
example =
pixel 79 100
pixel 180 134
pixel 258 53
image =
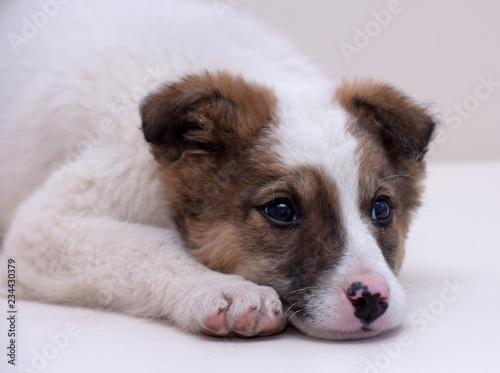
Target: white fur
pixel 54 199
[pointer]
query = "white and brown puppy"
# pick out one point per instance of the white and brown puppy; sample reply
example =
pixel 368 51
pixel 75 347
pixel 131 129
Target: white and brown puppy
pixel 246 191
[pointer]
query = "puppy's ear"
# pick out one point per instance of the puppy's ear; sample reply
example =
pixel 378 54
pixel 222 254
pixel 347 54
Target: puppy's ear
pixel 403 126
pixel 205 113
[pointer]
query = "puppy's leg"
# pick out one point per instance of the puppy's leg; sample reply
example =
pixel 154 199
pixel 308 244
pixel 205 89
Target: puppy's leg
pixel 97 261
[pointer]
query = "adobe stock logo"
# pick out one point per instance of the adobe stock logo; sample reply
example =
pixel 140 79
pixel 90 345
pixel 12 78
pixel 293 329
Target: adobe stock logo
pixel 57 342
pixel 364 36
pixel 418 322
pixel 31 25
pixel 226 7
pixel 454 117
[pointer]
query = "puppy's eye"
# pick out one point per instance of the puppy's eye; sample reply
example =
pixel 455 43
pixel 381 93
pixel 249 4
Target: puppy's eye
pixel 381 211
pixel 280 211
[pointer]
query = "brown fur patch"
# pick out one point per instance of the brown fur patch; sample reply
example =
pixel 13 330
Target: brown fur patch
pixel 404 127
pixel 378 177
pixel 394 133
pixel 210 112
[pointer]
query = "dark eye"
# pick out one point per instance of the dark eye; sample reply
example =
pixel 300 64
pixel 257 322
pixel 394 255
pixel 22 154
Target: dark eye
pixel 381 211
pixel 280 211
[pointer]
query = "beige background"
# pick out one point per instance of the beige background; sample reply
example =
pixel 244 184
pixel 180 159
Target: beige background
pixel 436 51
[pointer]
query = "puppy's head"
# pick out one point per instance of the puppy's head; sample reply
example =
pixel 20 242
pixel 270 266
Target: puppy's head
pixel 308 191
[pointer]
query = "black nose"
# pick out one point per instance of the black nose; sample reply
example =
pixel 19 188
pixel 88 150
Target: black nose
pixel 368 307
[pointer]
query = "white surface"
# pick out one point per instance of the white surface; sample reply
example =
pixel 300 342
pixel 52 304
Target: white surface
pixel 454 239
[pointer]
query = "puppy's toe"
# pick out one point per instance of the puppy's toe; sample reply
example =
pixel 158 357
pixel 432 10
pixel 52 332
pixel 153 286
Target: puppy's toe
pixel 245 322
pixel 215 324
pixel 272 325
pixel 256 311
pixel 244 310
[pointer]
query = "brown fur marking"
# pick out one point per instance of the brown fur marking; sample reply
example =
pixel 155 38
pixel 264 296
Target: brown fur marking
pixel 210 112
pixel 397 120
pixel 394 133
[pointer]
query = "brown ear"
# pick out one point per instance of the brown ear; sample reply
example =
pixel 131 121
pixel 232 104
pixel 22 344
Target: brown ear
pixel 397 120
pixel 208 112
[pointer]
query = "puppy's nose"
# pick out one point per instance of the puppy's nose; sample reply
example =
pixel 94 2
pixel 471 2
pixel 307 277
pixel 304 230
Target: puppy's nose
pixel 370 298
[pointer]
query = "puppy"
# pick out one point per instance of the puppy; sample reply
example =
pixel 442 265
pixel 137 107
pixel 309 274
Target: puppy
pixel 162 162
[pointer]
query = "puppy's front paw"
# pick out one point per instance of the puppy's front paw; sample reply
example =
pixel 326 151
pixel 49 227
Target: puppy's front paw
pixel 241 308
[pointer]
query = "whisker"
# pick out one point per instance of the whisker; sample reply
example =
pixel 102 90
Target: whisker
pixel 290 308
pixel 303 289
pixel 293 314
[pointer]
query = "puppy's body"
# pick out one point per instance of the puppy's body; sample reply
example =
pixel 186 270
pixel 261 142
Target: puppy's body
pixel 252 183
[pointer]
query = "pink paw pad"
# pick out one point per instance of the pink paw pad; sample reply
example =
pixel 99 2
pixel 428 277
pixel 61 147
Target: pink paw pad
pixel 215 323
pixel 274 325
pixel 246 321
